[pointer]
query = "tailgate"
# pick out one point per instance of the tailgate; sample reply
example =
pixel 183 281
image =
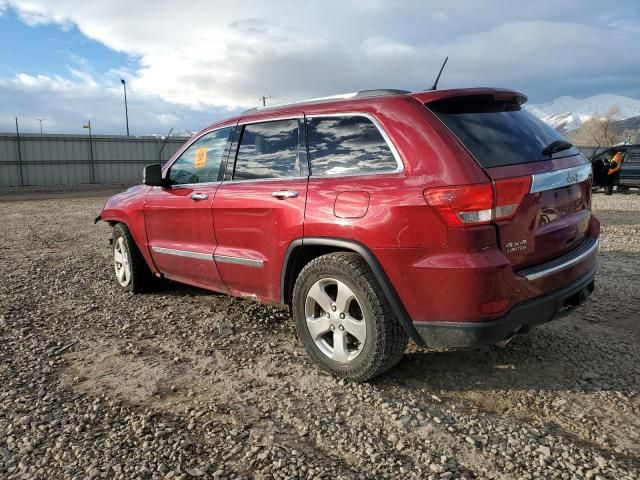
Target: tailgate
pixel 542 184
pixel 553 217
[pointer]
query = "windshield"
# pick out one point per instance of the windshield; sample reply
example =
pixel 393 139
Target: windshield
pixel 498 132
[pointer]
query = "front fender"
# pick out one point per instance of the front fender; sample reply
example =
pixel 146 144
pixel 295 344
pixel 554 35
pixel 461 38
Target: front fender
pixel 128 208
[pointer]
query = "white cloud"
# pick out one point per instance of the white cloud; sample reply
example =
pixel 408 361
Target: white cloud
pixel 227 54
pixel 68 104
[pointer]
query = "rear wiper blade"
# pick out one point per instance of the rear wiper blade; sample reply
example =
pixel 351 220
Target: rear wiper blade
pixel 556 146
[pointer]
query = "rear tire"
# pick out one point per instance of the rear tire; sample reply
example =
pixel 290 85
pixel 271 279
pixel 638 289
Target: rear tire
pixel 132 272
pixel 344 319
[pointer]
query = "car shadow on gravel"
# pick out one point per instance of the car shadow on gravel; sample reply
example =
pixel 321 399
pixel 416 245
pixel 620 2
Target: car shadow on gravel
pixel 174 289
pixel 592 350
pixel 558 356
pixel 595 349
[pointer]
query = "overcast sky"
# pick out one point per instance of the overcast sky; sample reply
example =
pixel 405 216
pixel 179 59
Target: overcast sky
pixel 190 63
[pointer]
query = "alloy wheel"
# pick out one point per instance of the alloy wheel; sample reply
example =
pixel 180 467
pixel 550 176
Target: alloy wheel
pixel 335 320
pixel 121 262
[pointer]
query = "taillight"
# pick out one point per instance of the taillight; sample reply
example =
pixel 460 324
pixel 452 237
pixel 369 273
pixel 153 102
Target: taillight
pixel 509 195
pixel 462 205
pixel 478 204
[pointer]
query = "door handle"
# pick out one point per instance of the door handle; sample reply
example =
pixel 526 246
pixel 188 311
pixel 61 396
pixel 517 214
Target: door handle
pixel 282 194
pixel 199 196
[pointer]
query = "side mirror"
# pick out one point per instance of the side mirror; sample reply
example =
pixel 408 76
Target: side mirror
pixel 152 175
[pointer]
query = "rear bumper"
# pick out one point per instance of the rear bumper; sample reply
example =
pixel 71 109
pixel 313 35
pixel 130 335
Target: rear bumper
pixel 520 319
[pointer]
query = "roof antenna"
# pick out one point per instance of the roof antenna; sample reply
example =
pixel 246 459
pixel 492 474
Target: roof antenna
pixel 435 84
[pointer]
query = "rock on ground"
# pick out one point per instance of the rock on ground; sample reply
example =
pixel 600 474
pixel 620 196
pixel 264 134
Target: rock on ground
pixel 97 383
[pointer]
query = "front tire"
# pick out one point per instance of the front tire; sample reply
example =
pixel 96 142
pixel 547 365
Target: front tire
pixel 344 319
pixel 132 272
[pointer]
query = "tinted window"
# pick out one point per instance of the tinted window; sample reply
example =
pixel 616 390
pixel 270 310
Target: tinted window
pixel 201 161
pixel 268 150
pixel 633 156
pixel 347 145
pixel 497 132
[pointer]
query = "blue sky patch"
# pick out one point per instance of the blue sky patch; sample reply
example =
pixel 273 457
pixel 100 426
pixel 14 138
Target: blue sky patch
pixel 51 49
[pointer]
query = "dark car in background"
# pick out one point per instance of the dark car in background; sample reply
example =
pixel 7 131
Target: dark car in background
pixel 629 174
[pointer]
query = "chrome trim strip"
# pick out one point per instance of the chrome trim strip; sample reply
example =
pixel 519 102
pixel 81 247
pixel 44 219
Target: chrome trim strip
pixel 279 179
pixel 247 262
pixel 560 178
pixel 340 96
pixel 183 253
pixel 385 136
pixel 564 265
pixel 191 186
pixel 276 118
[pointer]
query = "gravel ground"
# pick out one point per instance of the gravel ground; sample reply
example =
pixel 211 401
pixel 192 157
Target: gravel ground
pixel 97 383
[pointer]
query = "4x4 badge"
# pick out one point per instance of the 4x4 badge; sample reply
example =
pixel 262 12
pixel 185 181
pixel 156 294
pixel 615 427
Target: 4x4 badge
pixel 520 246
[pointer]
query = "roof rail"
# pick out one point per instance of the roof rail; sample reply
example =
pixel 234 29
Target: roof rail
pixel 378 92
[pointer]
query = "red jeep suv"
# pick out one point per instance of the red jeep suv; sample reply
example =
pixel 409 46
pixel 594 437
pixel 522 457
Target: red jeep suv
pixel 453 217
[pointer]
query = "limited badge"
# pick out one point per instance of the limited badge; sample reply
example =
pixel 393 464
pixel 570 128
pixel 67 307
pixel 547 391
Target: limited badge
pixel 513 247
pixel 200 159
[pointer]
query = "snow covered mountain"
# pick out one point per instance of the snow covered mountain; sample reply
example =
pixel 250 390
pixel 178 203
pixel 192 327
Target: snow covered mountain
pixel 568 113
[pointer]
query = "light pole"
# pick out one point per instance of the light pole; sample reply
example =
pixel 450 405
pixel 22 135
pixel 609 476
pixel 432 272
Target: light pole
pixel 41 120
pixel 91 171
pixel 126 110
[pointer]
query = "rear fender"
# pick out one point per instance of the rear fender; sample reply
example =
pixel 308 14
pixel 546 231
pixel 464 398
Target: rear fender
pixel 372 261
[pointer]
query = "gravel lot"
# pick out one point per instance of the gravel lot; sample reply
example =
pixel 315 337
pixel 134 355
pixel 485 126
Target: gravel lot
pixel 101 384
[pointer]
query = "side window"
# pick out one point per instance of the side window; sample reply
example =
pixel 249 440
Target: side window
pixel 347 145
pixel 268 150
pixel 633 156
pixel 201 161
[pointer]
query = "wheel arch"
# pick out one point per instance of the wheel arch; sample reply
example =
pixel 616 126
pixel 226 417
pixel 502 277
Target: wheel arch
pixel 137 228
pixel 303 250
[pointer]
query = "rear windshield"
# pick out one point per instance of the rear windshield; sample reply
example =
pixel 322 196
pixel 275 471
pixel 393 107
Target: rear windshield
pixel 497 132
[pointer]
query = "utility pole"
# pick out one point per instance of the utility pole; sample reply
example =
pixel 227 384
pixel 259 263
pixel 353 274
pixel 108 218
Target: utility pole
pixel 88 125
pixel 126 110
pixel 41 120
pixel 19 153
pixel 263 99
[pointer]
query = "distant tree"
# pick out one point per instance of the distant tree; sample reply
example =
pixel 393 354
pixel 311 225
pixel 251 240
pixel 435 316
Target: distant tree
pixel 632 135
pixel 598 130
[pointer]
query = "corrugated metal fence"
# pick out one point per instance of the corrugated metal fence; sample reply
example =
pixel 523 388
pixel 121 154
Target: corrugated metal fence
pixel 43 160
pixel 49 160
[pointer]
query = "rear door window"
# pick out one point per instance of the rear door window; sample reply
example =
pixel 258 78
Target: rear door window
pixel 497 132
pixel 268 150
pixel 346 145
